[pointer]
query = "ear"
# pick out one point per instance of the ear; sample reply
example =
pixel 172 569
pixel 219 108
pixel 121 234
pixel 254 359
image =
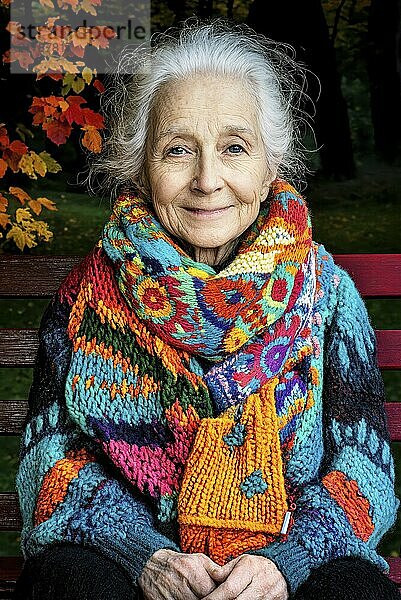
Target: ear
pixel 142 184
pixel 270 177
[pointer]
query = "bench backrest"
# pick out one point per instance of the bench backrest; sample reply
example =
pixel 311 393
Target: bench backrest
pixel 376 276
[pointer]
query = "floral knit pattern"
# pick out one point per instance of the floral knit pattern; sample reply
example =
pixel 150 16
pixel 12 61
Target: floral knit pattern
pixel 279 447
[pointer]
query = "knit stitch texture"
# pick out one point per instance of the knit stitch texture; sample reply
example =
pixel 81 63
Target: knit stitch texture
pixel 177 407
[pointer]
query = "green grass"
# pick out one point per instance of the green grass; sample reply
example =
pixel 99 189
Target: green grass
pixel 360 215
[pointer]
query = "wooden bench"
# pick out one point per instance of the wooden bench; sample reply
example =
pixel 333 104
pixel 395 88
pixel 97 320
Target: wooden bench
pixel 377 276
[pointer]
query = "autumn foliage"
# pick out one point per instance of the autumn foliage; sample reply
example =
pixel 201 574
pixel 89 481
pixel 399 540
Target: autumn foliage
pixel 57 53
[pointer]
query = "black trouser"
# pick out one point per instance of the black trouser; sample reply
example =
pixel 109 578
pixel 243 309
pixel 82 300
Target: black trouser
pixel 69 572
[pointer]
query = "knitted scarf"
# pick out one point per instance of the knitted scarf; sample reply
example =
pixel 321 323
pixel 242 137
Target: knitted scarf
pixel 201 444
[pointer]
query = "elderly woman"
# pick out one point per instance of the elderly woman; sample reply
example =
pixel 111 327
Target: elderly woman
pixel 206 418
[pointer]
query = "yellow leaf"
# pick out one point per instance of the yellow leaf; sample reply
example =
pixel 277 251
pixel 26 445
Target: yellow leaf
pixel 42 229
pixel 92 139
pixel 39 164
pixel 57 65
pixel 23 214
pixel 47 3
pixel 87 75
pixel 88 7
pixel 14 28
pixel 35 206
pixel 21 237
pixel 67 83
pixel 20 194
pixel 52 165
pixel 4 220
pixel 78 85
pixel 25 164
pixel 49 204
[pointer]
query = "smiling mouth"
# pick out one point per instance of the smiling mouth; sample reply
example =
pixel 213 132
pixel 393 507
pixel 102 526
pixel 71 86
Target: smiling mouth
pixel 202 212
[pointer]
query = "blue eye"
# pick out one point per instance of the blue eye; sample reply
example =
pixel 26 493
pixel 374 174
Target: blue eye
pixel 238 149
pixel 177 151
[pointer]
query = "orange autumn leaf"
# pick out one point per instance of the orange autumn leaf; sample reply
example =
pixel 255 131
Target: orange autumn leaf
pixel 3 203
pixel 52 42
pixel 35 206
pixel 92 139
pixel 57 65
pixel 47 3
pixel 3 167
pixel 39 203
pixel 49 204
pixel 89 6
pixel 81 37
pixel 4 220
pixel 66 4
pixel 15 28
pixel 45 108
pixel 20 194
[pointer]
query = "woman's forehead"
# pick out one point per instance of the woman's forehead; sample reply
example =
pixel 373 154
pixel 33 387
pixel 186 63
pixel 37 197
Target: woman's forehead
pixel 225 104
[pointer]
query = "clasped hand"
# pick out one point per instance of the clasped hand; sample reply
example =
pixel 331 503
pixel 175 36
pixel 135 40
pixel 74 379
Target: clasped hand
pixel 170 575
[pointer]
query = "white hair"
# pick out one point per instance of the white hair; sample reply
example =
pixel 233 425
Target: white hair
pixel 216 47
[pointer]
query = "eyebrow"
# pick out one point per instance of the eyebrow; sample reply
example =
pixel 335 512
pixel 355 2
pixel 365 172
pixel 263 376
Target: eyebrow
pixel 227 129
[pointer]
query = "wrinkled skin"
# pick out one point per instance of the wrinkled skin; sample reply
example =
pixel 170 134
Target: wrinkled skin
pixel 206 165
pixel 170 575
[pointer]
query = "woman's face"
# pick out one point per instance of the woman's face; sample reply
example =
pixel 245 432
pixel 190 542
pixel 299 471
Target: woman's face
pixel 206 165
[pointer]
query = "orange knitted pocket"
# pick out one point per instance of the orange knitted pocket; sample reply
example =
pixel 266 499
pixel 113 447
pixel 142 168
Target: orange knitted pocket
pixel 233 497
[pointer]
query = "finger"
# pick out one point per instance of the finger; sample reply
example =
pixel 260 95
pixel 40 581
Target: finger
pixel 201 583
pixel 220 573
pixel 254 592
pixel 167 591
pixel 232 587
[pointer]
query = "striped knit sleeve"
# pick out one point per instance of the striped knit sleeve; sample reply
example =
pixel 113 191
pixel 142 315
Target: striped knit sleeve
pixel 347 508
pixel 68 492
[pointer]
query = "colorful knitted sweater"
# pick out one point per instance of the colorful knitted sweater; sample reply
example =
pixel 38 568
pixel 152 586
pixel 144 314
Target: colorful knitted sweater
pixel 174 406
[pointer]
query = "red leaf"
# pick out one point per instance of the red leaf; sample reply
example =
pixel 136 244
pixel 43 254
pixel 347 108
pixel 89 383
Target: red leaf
pixel 23 57
pixel 13 153
pixel 99 86
pixel 77 50
pixel 18 147
pixel 93 118
pixel 4 139
pixel 49 108
pixel 57 132
pixel 74 113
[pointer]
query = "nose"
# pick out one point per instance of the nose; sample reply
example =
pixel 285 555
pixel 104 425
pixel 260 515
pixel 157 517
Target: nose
pixel 207 177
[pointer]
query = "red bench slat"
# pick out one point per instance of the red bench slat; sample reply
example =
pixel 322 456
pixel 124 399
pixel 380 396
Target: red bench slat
pixel 376 275
pixel 389 348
